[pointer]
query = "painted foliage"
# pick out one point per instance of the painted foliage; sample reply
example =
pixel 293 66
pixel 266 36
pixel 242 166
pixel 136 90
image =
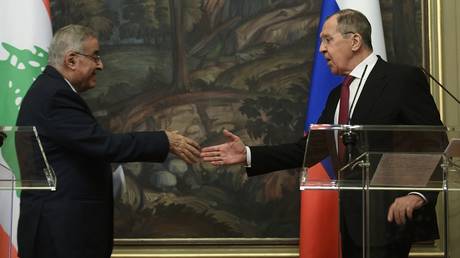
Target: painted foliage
pixel 199 66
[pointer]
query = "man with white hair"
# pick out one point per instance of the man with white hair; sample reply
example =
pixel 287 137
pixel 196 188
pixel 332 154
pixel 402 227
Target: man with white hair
pixel 77 219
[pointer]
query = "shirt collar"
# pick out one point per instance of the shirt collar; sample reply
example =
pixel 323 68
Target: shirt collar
pixel 70 85
pixel 370 61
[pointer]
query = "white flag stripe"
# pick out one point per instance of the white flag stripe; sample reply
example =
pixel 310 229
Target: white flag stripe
pixel 371 9
pixel 24 24
pixel 9 203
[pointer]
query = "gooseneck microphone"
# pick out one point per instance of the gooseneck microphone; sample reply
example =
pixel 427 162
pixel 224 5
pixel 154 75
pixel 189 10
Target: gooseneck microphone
pixel 439 84
pixel 355 95
pixel 349 138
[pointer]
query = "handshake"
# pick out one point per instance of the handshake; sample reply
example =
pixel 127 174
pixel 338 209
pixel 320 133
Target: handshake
pixel 231 152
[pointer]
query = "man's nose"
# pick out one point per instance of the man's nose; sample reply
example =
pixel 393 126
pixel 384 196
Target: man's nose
pixel 100 65
pixel 322 47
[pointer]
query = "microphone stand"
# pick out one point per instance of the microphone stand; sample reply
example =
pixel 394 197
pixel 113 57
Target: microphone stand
pixel 439 84
pixel 349 138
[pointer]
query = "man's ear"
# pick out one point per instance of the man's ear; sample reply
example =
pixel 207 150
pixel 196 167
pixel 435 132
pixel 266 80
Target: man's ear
pixel 70 60
pixel 356 42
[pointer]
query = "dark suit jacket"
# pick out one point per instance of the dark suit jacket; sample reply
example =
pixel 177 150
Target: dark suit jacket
pixel 392 95
pixel 77 219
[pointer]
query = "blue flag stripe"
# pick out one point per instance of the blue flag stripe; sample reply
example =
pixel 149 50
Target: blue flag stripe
pixel 322 80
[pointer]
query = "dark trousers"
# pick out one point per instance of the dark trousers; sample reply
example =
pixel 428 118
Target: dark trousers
pixel 44 246
pixel 392 250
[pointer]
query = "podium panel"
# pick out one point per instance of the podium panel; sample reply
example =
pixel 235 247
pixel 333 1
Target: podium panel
pixel 23 166
pixel 389 181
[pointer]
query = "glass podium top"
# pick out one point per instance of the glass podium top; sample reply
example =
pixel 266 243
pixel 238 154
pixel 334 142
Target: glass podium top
pixel 23 164
pixel 376 157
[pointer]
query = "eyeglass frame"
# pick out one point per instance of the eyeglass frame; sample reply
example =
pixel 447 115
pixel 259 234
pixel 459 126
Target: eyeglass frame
pixel 95 58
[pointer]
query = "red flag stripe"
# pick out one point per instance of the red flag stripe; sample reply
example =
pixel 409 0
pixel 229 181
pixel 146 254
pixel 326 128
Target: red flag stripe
pixel 319 219
pixel 6 248
pixel 47 6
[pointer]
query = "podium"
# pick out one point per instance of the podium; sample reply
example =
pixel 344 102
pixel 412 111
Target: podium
pixel 23 166
pixel 381 164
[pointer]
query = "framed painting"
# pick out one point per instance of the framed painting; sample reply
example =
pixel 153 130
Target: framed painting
pixel 198 67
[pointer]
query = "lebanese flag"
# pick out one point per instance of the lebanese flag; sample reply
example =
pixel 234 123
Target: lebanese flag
pixel 319 212
pixel 25 34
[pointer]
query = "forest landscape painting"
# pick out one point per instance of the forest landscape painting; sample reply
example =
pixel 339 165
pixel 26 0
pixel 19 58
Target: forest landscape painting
pixel 198 67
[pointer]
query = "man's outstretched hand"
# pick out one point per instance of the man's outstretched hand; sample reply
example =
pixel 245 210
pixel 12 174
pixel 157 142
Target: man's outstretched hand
pixel 229 153
pixel 185 148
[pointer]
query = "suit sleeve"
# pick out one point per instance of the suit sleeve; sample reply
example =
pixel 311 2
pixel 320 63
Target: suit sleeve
pixel 69 124
pixel 267 159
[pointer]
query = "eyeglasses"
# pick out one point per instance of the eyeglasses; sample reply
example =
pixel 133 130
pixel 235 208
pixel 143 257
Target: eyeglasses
pixel 96 58
pixel 328 39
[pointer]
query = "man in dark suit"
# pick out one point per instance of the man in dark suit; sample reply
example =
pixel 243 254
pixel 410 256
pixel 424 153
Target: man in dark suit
pixel 390 94
pixel 76 220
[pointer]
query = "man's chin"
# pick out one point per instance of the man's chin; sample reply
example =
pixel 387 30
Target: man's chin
pixel 333 69
pixel 87 87
pixel 92 84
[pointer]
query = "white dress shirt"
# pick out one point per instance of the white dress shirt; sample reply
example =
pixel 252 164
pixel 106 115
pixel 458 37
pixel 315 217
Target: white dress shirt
pixel 70 84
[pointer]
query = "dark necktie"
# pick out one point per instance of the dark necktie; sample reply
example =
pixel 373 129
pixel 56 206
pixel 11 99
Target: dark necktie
pixel 343 110
pixel 344 100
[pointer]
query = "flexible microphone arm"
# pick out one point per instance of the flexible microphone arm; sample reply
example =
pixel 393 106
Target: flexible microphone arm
pixel 356 94
pixel 349 138
pixel 439 84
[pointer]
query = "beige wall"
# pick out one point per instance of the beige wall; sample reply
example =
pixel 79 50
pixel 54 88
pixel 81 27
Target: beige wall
pixel 451 57
pixel 450 31
pixel 444 32
pixel 444 25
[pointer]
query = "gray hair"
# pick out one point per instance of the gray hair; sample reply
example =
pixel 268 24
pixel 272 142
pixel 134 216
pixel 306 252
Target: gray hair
pixel 349 20
pixel 68 38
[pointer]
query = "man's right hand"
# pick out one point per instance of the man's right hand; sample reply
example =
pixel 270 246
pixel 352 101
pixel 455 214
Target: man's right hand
pixel 229 153
pixel 186 148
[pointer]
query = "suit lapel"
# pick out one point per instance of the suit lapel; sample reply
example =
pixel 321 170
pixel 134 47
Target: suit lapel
pixel 375 84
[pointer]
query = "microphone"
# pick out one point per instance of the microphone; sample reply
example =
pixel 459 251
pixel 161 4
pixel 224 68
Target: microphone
pixel 349 138
pixel 2 137
pixel 439 84
pixel 356 94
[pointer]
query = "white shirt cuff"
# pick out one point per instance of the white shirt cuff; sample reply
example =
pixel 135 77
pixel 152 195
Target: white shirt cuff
pixel 248 157
pixel 419 194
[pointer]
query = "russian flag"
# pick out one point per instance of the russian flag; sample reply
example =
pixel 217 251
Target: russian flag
pixel 319 216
